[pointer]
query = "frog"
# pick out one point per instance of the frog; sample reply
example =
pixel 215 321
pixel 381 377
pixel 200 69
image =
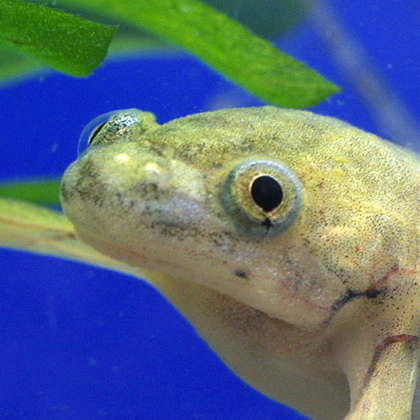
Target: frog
pixel 289 240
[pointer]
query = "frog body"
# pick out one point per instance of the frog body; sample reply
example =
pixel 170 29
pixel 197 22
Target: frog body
pixel 289 240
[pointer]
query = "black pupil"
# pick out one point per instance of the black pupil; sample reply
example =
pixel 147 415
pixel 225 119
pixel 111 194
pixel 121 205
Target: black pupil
pixel 267 193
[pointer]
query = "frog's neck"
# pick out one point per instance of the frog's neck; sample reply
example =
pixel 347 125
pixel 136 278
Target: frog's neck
pixel 278 359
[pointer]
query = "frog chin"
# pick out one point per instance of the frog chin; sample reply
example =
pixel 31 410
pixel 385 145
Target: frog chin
pixel 275 303
pixel 127 255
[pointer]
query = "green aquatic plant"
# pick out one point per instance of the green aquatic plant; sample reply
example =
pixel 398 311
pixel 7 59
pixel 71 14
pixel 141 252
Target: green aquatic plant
pixel 60 40
pixel 65 41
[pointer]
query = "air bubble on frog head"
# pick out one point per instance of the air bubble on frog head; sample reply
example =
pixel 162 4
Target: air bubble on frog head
pixel 113 126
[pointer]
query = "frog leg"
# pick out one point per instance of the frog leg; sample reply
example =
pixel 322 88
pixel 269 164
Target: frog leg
pixel 379 353
pixel 386 389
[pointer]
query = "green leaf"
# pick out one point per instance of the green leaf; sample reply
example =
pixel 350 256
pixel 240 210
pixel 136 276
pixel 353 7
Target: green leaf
pixel 225 45
pixel 44 192
pixel 127 41
pixel 28 227
pixel 13 65
pixel 220 41
pixel 264 17
pixel 62 41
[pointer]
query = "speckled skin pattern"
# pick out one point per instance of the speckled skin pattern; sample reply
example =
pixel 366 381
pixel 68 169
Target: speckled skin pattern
pixel 314 302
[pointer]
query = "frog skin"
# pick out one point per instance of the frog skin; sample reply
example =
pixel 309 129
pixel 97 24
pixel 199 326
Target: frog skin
pixel 289 240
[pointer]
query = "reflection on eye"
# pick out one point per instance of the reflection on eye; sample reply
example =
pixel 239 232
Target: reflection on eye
pixel 95 133
pixel 91 131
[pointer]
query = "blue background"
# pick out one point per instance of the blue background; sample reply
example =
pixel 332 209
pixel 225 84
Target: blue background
pixel 78 342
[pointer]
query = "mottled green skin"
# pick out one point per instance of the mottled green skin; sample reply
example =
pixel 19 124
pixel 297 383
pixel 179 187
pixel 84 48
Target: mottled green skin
pixel 302 312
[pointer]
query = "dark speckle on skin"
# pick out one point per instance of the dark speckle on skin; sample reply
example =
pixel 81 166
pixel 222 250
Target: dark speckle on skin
pixel 241 273
pixel 373 293
pixel 178 230
pixel 66 194
pixel 267 224
pixel 89 185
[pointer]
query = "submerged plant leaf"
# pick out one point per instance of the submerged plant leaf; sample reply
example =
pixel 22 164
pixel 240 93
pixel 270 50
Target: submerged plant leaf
pixel 13 65
pixel 76 46
pixel 62 41
pixel 264 17
pixel 225 45
pixel 28 227
pixel 46 192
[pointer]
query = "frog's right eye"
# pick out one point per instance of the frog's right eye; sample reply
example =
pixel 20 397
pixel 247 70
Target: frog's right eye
pixel 90 134
pixel 95 132
pixel 114 126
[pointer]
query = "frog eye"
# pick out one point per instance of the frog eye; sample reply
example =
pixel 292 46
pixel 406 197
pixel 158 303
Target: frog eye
pixel 94 133
pixel 262 197
pixel 92 130
pixel 115 125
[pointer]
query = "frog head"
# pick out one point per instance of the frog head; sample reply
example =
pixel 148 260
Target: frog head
pixel 248 202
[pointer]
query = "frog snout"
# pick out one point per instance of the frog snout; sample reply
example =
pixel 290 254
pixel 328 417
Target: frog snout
pixel 103 176
pixel 118 177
